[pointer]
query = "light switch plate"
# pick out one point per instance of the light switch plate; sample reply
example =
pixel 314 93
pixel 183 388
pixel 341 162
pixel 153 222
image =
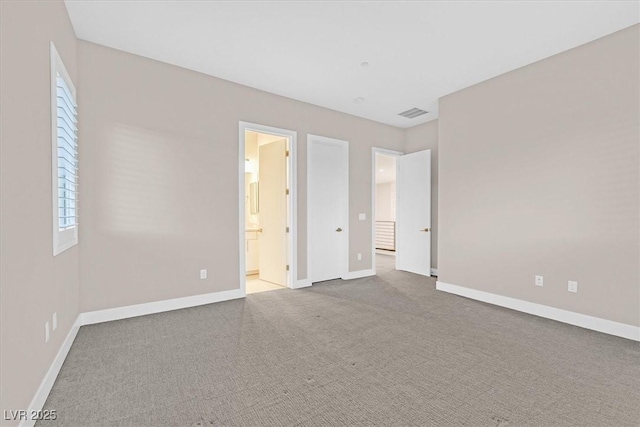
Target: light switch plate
pixel 362 216
pixel 203 274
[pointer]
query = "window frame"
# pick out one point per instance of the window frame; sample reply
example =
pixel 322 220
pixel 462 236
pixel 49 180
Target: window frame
pixel 63 239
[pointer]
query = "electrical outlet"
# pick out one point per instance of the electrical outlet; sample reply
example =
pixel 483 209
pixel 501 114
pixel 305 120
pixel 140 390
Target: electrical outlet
pixel 359 257
pixel 203 274
pixel 539 281
pixel 55 321
pixel 46 331
pixel 572 286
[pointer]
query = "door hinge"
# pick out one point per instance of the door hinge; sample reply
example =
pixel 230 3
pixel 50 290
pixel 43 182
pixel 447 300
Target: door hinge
pixel 286 153
pixel 286 191
pixel 287 229
pixel 287 267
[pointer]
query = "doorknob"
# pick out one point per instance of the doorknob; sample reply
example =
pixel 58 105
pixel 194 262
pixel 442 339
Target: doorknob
pixel 338 229
pixel 426 230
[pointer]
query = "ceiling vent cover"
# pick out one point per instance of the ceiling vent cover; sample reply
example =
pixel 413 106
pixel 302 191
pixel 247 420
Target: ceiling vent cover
pixel 413 113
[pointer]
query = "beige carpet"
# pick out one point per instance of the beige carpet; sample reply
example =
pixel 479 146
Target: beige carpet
pixel 386 350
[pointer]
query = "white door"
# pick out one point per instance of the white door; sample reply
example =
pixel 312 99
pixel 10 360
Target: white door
pixel 328 208
pixel 272 202
pixel 413 213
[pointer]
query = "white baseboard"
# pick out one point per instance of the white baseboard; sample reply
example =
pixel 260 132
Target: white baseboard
pixel 304 283
pixel 434 272
pixel 47 383
pixel 99 316
pixel 358 274
pixel 584 321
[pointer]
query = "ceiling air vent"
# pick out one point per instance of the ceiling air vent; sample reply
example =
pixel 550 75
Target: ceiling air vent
pixel 413 113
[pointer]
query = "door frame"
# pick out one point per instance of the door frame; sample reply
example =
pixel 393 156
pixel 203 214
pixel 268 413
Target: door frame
pixel 292 208
pixel 386 152
pixel 344 145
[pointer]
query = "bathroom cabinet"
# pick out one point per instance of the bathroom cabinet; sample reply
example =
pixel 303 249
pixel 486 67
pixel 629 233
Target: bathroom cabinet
pixel 252 252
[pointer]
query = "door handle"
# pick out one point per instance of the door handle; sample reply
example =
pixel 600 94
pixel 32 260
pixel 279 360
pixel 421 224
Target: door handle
pixel 338 229
pixel 426 230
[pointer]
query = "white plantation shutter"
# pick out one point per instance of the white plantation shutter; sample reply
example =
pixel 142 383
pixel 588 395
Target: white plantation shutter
pixel 64 150
pixel 67 156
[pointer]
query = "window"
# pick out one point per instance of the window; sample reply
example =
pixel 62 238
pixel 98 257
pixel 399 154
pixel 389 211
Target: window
pixel 64 154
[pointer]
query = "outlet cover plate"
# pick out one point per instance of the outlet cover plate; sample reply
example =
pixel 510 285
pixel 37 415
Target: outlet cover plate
pixel 539 281
pixel 572 286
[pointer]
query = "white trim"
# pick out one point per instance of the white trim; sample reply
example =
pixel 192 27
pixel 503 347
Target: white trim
pixel 65 239
pixel 292 165
pixel 242 267
pixel 50 378
pixel 577 319
pixel 344 145
pixel 434 272
pixel 374 151
pixel 304 283
pixel 99 316
pixel 358 274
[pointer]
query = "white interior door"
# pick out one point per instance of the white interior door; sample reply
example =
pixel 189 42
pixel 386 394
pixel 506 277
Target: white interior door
pixel 328 209
pixel 413 205
pixel 272 181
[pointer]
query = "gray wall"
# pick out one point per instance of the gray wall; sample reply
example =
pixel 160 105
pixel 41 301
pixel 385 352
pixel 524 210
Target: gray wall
pixel 539 174
pixel 386 201
pixel 35 284
pixel 425 137
pixel 161 193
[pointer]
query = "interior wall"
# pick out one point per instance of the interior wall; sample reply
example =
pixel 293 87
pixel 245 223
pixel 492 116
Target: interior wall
pixel 161 196
pixel 540 175
pixel 425 137
pixel 35 284
pixel 386 201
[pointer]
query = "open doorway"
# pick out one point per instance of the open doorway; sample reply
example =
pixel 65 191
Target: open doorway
pixel 266 199
pixel 385 238
pixel 384 209
pixel 401 206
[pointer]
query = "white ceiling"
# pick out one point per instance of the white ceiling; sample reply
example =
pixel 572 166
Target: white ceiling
pixel 312 51
pixel 385 168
